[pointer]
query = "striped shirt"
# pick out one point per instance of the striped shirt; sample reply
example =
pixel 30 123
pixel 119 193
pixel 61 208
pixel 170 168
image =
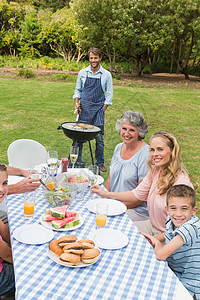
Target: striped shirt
pixel 185 261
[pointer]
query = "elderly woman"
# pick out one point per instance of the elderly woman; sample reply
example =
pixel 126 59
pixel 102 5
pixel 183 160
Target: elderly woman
pixel 129 161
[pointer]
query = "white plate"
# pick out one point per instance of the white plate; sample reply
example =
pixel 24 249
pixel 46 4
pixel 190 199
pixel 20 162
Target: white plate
pixel 56 259
pixel 109 238
pixel 49 226
pixel 114 207
pixel 33 234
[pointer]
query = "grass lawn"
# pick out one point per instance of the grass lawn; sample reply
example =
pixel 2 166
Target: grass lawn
pixel 34 109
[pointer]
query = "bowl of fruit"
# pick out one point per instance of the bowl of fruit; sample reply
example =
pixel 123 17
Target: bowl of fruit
pixel 71 179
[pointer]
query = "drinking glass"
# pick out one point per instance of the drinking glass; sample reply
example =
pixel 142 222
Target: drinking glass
pixel 29 204
pixel 101 214
pixel 93 172
pixel 33 174
pixel 52 159
pixel 73 155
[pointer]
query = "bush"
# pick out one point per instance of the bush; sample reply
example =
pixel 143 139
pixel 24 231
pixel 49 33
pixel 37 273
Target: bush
pixel 46 63
pixel 124 67
pixel 147 70
pixel 26 73
pixel 65 77
pixel 158 68
pixel 118 77
pixel 193 71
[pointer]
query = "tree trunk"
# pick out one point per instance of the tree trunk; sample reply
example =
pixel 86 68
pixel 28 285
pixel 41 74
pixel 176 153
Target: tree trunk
pixel 186 76
pixel 172 58
pixel 111 58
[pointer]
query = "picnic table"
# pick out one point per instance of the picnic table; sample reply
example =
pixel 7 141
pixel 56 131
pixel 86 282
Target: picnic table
pixel 132 272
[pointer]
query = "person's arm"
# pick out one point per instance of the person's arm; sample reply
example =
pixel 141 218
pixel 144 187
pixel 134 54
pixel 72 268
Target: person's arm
pixel 107 185
pixel 26 185
pixel 124 197
pixel 142 190
pixel 160 237
pixel 4 232
pixel 17 171
pixel 105 107
pixel 130 204
pixel 76 103
pixel 109 90
pixel 79 87
pixel 163 252
pixel 5 252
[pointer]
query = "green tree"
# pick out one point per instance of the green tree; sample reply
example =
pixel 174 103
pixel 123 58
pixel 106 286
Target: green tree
pixel 145 28
pixel 99 23
pixel 11 18
pixel 30 29
pixel 60 31
pixel 186 32
pixel 44 4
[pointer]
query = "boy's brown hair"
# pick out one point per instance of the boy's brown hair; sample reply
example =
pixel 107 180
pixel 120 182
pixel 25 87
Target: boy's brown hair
pixel 182 191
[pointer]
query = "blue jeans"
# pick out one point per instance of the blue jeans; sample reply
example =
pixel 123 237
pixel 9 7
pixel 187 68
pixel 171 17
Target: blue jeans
pixel 7 279
pixel 99 151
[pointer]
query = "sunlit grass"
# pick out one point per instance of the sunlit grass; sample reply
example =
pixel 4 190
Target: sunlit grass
pixel 34 109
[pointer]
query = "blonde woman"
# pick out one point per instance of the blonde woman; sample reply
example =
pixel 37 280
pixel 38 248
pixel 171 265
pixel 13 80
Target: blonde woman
pixel 166 170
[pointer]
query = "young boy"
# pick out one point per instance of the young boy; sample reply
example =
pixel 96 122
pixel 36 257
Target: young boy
pixel 7 279
pixel 182 238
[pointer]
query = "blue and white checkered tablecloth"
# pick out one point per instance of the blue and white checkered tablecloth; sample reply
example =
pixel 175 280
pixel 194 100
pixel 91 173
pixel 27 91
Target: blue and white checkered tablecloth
pixel 129 273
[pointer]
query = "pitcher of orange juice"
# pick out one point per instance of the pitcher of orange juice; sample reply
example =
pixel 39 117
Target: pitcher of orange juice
pixel 101 214
pixel 29 204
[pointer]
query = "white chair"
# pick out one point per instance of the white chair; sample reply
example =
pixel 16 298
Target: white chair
pixel 26 153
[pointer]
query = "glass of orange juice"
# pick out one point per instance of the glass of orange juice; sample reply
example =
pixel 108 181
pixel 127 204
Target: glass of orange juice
pixel 101 214
pixel 29 204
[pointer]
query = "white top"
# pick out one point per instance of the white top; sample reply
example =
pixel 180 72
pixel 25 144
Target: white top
pixel 125 174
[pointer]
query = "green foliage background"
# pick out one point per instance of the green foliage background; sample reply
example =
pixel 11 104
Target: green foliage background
pixel 162 34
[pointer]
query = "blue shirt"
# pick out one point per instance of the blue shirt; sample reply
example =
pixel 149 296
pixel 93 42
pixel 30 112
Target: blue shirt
pixel 125 174
pixel 106 82
pixel 185 261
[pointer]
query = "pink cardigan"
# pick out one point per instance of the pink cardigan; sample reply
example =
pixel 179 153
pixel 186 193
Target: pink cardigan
pixel 147 191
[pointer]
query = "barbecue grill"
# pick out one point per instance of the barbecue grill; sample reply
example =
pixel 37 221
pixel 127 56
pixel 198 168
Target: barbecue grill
pixel 80 134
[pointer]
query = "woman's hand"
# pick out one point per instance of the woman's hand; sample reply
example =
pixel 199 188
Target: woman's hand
pixel 99 191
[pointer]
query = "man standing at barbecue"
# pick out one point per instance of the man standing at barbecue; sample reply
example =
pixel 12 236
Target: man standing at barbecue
pixel 94 90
